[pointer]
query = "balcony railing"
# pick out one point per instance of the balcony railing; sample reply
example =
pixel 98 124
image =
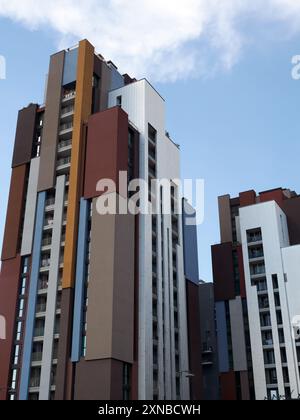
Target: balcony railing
pixel 34 382
pixel 66 126
pixel 64 161
pixel 40 308
pixel 37 357
pixel 64 143
pixel 39 332
pixel 43 284
pixel 47 242
pixel 45 263
pixel 50 201
pixel 67 110
pixel 254 238
pixel 69 95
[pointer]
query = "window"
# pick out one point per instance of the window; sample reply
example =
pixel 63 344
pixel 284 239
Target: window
pixel 263 302
pixel 283 355
pixel 37 352
pixel 267 338
pixel 265 319
pixel 35 375
pixel 119 100
pixel 271 376
pixel 281 336
pixel 17 354
pixel 257 269
pixel 286 376
pixel 96 81
pixel 269 357
pixel 19 330
pixel 279 317
pixel 14 379
pixel 126 382
pixel 21 308
pixel 277 300
pixel 275 281
pixel 254 235
pixel 152 133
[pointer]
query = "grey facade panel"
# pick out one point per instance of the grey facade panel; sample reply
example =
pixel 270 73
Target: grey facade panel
pixel 110 315
pixel 222 337
pixel 51 123
pixel 30 209
pixel 238 335
pixel 190 244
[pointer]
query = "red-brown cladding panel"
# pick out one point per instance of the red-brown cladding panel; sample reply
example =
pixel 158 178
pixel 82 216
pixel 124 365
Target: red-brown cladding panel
pixel 195 348
pixel 228 386
pixel 14 213
pixel 291 208
pixel 24 135
pixel 275 195
pixel 106 150
pixel 223 273
pixel 9 286
pixel 247 198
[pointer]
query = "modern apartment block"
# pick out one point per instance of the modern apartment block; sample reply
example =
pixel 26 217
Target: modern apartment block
pixel 257 294
pixel 95 304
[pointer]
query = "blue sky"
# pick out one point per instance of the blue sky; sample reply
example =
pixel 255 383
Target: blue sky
pixel 238 127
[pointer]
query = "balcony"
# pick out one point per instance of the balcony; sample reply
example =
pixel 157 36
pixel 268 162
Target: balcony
pixel 64 145
pixel 63 164
pixel 67 113
pixel 50 202
pixel 65 130
pixel 69 96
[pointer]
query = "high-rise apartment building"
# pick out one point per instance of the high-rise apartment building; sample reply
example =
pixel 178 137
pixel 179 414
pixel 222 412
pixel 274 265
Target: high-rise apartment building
pixel 257 294
pixel 95 304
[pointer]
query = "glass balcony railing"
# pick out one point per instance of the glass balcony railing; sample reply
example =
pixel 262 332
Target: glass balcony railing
pixel 64 161
pixel 69 95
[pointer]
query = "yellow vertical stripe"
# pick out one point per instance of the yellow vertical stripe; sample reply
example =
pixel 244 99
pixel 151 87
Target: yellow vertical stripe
pixel 83 105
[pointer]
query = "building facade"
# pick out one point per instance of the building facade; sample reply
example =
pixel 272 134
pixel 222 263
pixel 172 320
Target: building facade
pixel 95 304
pixel 257 295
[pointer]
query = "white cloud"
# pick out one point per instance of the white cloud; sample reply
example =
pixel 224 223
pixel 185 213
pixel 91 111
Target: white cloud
pixel 162 39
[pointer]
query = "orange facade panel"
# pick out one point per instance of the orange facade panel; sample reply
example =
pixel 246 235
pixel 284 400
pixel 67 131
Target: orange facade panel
pixel 83 106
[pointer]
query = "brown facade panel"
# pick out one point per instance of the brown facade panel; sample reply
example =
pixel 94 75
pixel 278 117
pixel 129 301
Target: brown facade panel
pixel 245 386
pixel 24 135
pixel 225 218
pixel 106 150
pixel 241 271
pixel 195 345
pixel 9 286
pixel 228 386
pixel 14 213
pixel 247 198
pixel 110 315
pixel 223 272
pixel 51 122
pixel 64 367
pixel 99 380
pixel 291 208
pixel 274 195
